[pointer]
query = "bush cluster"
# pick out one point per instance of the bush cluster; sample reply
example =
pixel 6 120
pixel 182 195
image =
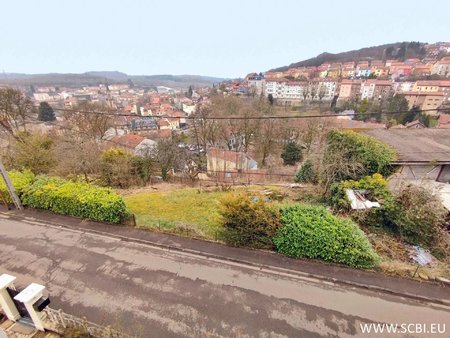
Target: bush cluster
pixel 313 232
pixel 376 190
pixel 67 197
pixel 248 221
pixel 297 231
pixel 75 199
pixel 419 216
pixel 350 155
pixel 306 173
pixel 414 213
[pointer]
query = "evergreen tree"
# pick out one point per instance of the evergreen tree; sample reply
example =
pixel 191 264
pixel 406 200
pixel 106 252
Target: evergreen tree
pixel 270 98
pixel 190 92
pixel 292 153
pixel 46 112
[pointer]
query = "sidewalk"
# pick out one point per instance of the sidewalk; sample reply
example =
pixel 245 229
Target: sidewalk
pixel 426 291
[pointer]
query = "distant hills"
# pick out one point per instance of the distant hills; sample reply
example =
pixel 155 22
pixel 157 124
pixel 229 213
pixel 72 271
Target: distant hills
pixel 110 77
pixel 398 50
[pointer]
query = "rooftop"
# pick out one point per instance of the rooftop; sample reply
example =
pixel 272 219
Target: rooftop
pixel 416 145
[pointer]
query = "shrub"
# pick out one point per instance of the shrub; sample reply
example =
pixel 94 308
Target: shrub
pixel 248 221
pixel 306 173
pixel 75 199
pixel 376 188
pixel 419 216
pixel 117 168
pixel 20 180
pixel 351 156
pixel 292 153
pixel 313 232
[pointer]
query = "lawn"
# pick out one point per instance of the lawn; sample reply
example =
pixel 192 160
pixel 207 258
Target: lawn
pixel 180 209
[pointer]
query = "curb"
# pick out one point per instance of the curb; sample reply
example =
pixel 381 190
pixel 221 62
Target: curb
pixel 265 268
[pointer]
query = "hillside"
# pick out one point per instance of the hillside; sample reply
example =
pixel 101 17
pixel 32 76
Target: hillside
pixel 99 77
pixel 398 50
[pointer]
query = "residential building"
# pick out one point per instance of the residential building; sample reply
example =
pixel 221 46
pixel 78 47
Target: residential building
pixel 424 100
pixel 220 160
pixel 349 89
pixel 442 67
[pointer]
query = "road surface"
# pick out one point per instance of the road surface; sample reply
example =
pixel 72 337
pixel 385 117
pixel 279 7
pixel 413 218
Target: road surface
pixel 154 292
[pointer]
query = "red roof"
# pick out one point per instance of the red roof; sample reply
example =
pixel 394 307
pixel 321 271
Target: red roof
pixel 130 141
pixel 444 121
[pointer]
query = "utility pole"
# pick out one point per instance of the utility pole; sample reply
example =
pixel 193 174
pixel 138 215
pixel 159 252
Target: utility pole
pixel 10 187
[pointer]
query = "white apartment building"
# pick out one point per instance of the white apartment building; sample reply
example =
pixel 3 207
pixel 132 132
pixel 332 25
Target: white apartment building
pixel 328 88
pixel 367 89
pixel 282 89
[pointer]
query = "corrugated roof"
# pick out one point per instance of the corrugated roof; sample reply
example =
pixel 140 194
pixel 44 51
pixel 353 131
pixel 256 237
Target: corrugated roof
pixel 416 145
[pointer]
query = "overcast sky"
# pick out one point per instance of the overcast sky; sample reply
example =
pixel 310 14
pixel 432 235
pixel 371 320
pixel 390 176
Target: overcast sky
pixel 218 38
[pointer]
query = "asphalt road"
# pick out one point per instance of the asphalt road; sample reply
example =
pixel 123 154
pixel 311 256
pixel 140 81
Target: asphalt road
pixel 153 292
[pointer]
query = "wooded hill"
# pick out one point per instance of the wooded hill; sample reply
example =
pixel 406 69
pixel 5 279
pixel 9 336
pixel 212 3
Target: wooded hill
pixel 398 50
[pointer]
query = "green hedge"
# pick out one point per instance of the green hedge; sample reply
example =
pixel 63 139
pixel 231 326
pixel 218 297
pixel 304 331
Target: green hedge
pixel 313 232
pixel 20 180
pixel 67 197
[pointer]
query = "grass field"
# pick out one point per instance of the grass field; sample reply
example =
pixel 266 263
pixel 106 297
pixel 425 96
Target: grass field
pixel 182 208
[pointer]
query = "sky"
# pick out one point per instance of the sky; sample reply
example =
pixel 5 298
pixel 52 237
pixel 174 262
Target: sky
pixel 203 37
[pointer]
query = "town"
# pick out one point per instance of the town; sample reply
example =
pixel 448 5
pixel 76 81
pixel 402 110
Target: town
pixel 310 199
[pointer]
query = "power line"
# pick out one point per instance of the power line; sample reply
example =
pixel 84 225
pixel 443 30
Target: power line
pixel 272 117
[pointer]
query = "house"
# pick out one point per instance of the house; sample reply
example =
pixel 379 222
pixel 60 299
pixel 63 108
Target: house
pixel 138 145
pixel 421 153
pixel 443 121
pixel 222 161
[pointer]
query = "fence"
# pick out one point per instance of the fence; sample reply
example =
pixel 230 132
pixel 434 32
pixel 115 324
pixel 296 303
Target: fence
pixel 58 321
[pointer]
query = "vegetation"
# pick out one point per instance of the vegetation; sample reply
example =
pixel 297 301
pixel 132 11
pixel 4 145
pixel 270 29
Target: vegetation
pixel 350 155
pixel 121 169
pixel 31 151
pixel 75 199
pixel 419 216
pixel 375 189
pixel 313 232
pixel 197 211
pixel 15 110
pixel 20 180
pixel 248 221
pixel 306 173
pixel 292 153
pixel 45 112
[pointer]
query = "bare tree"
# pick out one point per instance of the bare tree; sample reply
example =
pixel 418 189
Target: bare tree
pixel 205 131
pixel 15 110
pixel 92 119
pixel 305 92
pixel 313 91
pixel 169 156
pixel 321 93
pixel 77 155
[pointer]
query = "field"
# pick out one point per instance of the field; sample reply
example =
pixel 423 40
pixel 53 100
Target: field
pixel 187 211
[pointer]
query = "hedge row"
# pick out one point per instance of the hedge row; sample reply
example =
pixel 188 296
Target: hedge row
pixel 20 180
pixel 70 198
pixel 313 232
pixel 296 231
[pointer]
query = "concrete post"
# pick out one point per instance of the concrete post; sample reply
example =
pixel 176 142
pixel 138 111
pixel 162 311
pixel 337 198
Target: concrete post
pixel 30 295
pixel 6 302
